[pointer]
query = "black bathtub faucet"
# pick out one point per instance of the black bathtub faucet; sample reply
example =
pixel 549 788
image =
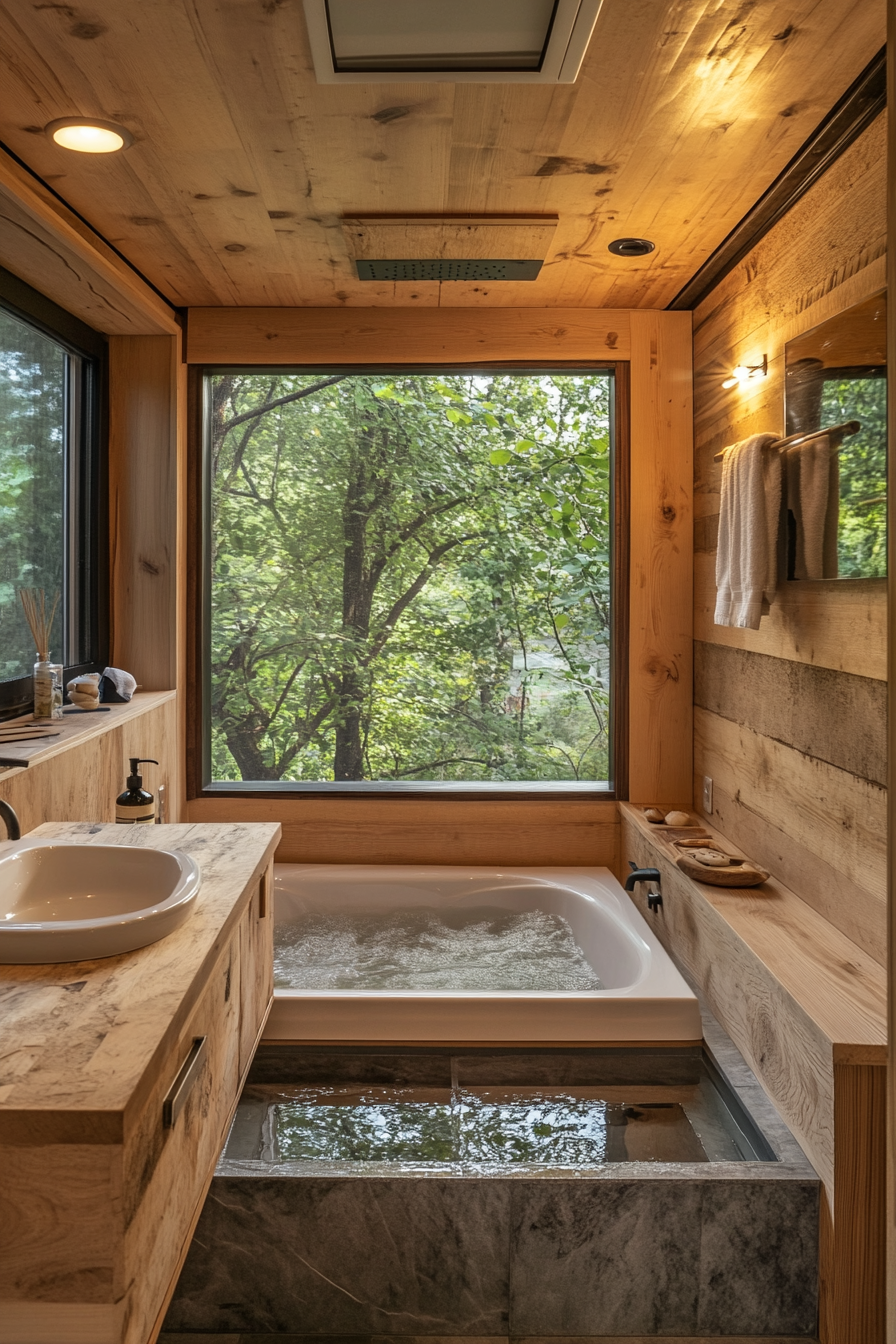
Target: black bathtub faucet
pixel 8 815
pixel 654 898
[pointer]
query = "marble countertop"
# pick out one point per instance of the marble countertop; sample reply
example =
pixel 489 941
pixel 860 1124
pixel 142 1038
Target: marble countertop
pixel 77 1038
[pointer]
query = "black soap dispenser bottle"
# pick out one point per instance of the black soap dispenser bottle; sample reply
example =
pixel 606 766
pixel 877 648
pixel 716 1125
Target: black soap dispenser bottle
pixel 136 807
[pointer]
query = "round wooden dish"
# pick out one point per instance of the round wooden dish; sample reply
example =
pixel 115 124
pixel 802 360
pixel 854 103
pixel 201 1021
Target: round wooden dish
pixel 741 873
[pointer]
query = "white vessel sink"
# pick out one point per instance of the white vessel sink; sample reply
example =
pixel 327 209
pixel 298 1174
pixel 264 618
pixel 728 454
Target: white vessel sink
pixel 71 902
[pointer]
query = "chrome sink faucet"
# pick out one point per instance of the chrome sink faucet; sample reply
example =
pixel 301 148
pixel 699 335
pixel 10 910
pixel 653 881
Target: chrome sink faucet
pixel 8 814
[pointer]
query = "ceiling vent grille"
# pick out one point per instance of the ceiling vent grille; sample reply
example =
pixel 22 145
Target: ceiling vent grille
pixel 443 268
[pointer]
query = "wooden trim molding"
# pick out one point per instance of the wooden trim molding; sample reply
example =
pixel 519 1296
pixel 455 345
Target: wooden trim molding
pixel 143 504
pixel 483 831
pixel 46 244
pixel 271 336
pixel 661 615
pixel 654 505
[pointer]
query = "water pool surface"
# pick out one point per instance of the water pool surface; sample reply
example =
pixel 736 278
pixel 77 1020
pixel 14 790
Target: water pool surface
pixel 569 1125
pixel 472 948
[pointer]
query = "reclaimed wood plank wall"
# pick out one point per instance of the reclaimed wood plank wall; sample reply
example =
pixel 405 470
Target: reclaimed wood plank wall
pixel 790 720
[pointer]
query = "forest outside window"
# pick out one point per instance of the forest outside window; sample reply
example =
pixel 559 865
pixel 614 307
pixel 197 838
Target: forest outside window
pixel 50 486
pixel 408 579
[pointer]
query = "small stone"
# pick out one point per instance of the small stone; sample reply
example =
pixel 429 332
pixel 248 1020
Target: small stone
pixel 713 858
pixel 677 819
pixel 654 815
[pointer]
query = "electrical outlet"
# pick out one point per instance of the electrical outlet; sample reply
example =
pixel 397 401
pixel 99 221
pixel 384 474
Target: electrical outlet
pixel 707 796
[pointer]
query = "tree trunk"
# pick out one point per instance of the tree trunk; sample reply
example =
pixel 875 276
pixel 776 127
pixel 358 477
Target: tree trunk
pixel 357 601
pixel 348 758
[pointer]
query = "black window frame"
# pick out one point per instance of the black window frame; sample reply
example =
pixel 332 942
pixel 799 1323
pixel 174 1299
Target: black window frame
pixel 86 573
pixel 198 754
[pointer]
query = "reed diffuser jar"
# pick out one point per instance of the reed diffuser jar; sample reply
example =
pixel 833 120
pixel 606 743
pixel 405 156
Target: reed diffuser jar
pixel 47 690
pixel 47 675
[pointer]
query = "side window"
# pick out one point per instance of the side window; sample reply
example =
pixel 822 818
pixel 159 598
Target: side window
pixel 50 499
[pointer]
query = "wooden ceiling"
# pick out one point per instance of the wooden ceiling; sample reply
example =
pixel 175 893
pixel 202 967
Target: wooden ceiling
pixel 243 166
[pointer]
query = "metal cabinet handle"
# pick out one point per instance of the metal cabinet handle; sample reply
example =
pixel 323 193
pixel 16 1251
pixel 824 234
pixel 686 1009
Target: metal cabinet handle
pixel 180 1088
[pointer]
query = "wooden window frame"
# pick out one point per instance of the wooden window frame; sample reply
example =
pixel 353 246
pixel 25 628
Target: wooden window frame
pixel 198 608
pixel 87 472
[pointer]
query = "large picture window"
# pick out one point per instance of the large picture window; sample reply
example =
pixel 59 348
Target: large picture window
pixel 409 578
pixel 50 486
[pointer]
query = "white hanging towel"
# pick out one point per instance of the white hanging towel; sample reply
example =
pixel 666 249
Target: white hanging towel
pixel 813 496
pixel 747 557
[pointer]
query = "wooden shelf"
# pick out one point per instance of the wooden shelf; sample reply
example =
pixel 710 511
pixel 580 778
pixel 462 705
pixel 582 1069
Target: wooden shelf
pixel 839 987
pixel 75 729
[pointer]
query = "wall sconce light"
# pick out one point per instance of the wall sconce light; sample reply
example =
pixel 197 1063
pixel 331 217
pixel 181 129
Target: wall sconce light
pixel 747 373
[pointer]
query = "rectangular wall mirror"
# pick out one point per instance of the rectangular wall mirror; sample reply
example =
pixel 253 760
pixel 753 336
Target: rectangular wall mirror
pixel 835 380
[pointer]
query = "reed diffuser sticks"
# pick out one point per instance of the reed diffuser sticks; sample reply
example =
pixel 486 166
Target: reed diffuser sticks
pixel 47 675
pixel 34 604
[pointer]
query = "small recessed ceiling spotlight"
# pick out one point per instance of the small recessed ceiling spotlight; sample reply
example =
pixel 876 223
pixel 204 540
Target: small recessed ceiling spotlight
pixel 747 373
pixel 89 135
pixel 631 247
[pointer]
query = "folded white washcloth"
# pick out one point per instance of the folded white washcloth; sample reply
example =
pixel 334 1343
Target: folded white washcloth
pixel 125 685
pixel 747 557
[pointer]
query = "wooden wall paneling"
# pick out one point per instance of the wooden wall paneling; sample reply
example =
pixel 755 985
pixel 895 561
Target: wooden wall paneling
pixel 675 122
pixel 836 623
pixel 826 256
pixel 661 564
pixel 403 335
pixel 515 832
pixel 834 814
pixel 837 896
pixel 832 716
pixel 890 1213
pixel 45 244
pixel 143 507
pixel 81 782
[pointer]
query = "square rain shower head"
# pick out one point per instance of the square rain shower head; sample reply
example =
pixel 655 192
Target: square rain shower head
pixel 445 268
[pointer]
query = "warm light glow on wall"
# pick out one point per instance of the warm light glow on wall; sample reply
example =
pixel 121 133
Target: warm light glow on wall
pixel 747 373
pixel 89 136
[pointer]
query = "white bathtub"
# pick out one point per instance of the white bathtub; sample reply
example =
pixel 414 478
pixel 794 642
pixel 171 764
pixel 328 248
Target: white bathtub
pixel 644 999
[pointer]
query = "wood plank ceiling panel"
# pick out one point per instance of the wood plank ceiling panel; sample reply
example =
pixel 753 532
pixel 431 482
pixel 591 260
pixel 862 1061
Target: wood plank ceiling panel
pixel 243 165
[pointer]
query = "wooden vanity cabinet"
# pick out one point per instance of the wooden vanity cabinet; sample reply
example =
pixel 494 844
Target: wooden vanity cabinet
pixel 100 1192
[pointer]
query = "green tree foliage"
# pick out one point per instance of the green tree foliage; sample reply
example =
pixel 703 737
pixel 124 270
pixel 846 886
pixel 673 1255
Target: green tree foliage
pixel 410 576
pixel 862 534
pixel 32 482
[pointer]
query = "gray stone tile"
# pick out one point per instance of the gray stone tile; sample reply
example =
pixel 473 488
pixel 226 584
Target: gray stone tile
pixel 348 1257
pixel 167 1338
pixel 615 1257
pixel 299 1064
pixel 584 1068
pixel 759 1258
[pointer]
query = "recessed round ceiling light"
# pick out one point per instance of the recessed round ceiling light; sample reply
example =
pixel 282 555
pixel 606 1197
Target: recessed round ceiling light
pixel 631 247
pixel 89 135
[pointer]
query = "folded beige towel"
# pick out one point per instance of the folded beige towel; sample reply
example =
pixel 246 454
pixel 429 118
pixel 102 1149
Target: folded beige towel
pixel 813 497
pixel 747 558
